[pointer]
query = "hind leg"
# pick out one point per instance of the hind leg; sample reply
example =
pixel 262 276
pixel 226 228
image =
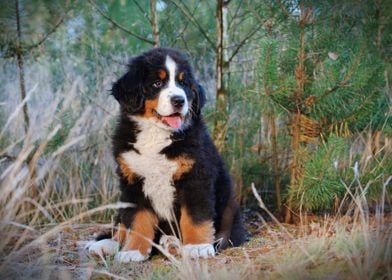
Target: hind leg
pixel 231 229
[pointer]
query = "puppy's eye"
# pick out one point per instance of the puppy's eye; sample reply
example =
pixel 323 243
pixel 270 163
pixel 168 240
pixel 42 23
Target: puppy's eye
pixel 157 84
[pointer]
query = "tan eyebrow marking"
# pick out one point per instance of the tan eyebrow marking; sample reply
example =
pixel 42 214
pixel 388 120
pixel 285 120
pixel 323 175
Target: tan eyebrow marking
pixel 162 74
pixel 181 76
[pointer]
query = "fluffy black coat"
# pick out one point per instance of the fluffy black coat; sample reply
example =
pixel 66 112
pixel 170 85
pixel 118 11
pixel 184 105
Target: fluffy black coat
pixel 206 190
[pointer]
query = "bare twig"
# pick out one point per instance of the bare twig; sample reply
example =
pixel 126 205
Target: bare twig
pixel 19 58
pixel 119 26
pixel 242 43
pixel 186 12
pixel 154 23
pixel 256 15
pixel 182 32
pixel 235 13
pixel 142 10
pixel 53 30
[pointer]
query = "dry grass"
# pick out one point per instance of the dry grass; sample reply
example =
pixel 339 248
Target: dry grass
pixel 344 249
pixel 59 178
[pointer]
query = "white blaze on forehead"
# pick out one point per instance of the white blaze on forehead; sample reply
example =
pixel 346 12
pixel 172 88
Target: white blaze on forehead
pixel 165 107
pixel 171 67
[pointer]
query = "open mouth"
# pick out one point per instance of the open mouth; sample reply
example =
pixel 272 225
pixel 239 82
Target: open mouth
pixel 174 120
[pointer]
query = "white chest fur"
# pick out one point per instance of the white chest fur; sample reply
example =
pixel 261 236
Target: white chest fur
pixel 156 169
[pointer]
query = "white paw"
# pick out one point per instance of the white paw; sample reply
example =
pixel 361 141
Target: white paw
pixel 130 256
pixel 198 251
pixel 104 247
pixel 88 244
pixel 170 243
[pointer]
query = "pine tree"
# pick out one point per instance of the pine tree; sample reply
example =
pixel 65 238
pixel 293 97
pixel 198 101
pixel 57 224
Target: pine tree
pixel 329 78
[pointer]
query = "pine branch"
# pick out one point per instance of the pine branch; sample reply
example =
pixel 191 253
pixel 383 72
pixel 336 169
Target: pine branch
pixel 267 59
pixel 119 26
pixel 354 113
pixel 284 9
pixel 346 78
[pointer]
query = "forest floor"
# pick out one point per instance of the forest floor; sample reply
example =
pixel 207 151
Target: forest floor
pixel 323 248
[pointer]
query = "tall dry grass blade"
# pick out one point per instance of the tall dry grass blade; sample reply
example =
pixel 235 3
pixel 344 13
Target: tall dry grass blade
pixel 262 206
pixel 17 110
pixel 50 233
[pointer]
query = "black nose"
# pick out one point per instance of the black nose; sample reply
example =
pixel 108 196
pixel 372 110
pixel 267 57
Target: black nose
pixel 177 101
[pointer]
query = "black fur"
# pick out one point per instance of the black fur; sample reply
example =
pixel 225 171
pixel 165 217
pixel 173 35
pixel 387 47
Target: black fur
pixel 206 190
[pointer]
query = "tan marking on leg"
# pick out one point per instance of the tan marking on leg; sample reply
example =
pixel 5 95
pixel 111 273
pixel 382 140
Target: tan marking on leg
pixel 150 105
pixel 125 170
pixel 120 234
pixel 142 232
pixel 162 74
pixel 193 233
pixel 184 165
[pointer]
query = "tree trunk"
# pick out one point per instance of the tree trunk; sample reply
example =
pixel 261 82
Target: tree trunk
pixel 275 164
pixel 241 144
pixel 300 76
pixel 154 23
pixel 295 165
pixel 222 66
pixel 19 58
pixel 270 124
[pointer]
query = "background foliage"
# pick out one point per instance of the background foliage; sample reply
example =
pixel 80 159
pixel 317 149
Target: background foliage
pixel 307 94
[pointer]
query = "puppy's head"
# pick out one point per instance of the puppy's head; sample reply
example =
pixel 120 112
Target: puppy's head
pixel 161 87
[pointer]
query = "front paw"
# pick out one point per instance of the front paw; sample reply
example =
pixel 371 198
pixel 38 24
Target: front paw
pixel 195 251
pixel 130 256
pixel 101 248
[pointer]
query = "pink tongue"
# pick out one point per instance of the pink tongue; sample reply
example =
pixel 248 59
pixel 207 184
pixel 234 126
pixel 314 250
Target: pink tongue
pixel 173 121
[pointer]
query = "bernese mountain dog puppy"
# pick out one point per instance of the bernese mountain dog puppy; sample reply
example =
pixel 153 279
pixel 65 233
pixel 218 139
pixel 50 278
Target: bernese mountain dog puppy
pixel 168 166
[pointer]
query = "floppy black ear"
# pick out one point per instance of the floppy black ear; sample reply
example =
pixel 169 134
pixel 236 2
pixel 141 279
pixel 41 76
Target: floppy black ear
pixel 200 99
pixel 128 90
